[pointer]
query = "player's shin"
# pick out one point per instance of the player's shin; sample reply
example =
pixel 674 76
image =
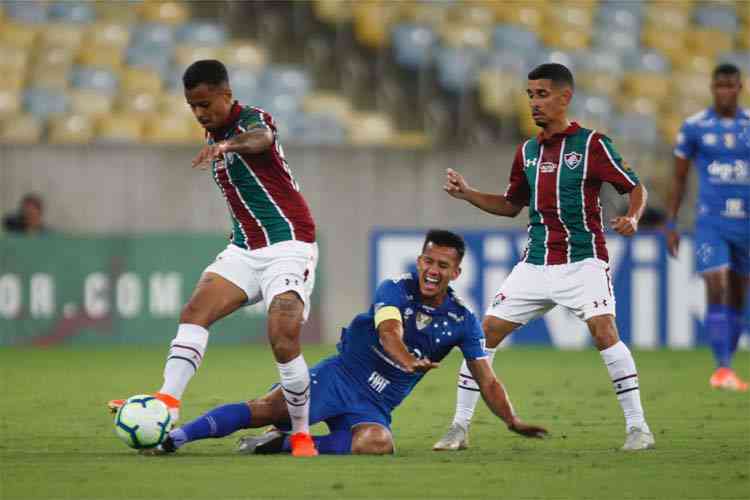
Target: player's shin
pixel 217 423
pixel 185 356
pixel 624 376
pixel 718 327
pixel 295 384
pixel 736 326
pixel 467 393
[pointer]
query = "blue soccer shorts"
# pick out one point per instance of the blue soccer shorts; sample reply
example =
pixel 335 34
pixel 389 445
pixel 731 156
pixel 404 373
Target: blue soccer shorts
pixel 721 244
pixel 336 399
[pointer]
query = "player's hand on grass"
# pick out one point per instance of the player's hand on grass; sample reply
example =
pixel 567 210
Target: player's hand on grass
pixel 208 153
pixel 626 226
pixel 673 241
pixel 421 365
pixel 455 184
pixel 531 431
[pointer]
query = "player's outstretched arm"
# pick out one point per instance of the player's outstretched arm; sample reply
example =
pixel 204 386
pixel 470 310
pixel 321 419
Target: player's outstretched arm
pixel 676 194
pixel 391 334
pixel 497 400
pixel 251 142
pixel 496 204
pixel 627 225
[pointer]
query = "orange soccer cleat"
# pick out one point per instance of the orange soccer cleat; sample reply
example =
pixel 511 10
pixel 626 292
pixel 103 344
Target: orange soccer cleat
pixel 725 378
pixel 302 445
pixel 173 404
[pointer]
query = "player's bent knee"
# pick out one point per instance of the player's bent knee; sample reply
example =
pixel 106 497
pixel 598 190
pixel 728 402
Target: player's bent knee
pixel 371 439
pixel 496 329
pixel 286 306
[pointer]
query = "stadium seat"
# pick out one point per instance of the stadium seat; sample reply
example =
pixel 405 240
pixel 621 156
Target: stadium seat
pixel 90 103
pixel 669 16
pixel 709 42
pixel 619 41
pixel 10 101
pixel 14 80
pixel 317 128
pixel 136 80
pixel 566 39
pixel 156 36
pixel 409 140
pixel 717 17
pixel 372 21
pixel 636 128
pixel 497 90
pixel 201 34
pixel 108 34
pixel 103 57
pixel 18 35
pixel 149 58
pixel 568 16
pixel 469 14
pixel 370 129
pixel 669 125
pixel 27 12
pixel 692 85
pixel 511 38
pixel 61 35
pixel 568 58
pixel 245 83
pixel 286 105
pixel 508 61
pixel 44 102
pixel 412 45
pixel 185 55
pixel 174 103
pixel 117 12
pixel 13 59
pixel 620 16
pixel 166 12
pixel 471 37
pixel 739 59
pixel 49 77
pixel 328 104
pixel 168 129
pixel 139 102
pixel 284 79
pixel 70 129
pixel 598 82
pixel 457 68
pixel 20 129
pixel 522 14
pixel 648 61
pixel 670 43
pixel 71 12
pixel 98 79
pixel 119 128
pixel 244 54
pixel 690 63
pixel 333 11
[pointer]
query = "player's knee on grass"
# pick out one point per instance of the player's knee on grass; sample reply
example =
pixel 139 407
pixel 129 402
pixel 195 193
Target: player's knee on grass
pixel 371 439
pixel 496 329
pixel 603 330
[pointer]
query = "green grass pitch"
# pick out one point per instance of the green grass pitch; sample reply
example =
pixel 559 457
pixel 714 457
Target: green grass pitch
pixel 57 441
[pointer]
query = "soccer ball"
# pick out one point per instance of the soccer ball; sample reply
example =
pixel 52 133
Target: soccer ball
pixel 143 421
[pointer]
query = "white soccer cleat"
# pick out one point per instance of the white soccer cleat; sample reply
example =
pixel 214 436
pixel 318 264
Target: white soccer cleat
pixel 457 438
pixel 268 443
pixel 638 439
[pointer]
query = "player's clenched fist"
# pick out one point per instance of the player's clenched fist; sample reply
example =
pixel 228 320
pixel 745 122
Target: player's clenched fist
pixel 626 226
pixel 455 184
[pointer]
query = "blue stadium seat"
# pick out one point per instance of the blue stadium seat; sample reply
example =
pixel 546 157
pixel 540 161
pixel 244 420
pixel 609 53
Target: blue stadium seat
pixel 244 82
pixel 620 41
pixel 99 79
pixel 591 107
pixel 72 12
pixel 173 79
pixel 317 129
pixel 27 12
pixel 283 79
pixel 154 36
pixel 623 16
pixel 641 129
pixel 44 102
pixel 202 34
pixel 141 56
pixel 649 61
pixel 718 17
pixel 568 59
pixel 600 61
pixel 457 68
pixel 278 104
pixel 412 45
pixel 509 37
pixel 508 61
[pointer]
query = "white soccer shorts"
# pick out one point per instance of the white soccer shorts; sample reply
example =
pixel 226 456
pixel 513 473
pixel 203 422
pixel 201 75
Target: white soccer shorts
pixel 266 272
pixel 584 288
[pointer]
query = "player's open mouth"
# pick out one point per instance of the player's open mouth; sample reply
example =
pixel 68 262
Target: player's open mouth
pixel 430 283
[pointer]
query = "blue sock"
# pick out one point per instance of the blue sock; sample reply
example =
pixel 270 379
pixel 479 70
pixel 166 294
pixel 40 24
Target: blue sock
pixel 717 324
pixel 219 422
pixel 335 443
pixel 736 325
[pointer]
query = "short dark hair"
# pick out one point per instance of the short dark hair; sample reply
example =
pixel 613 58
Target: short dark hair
pixel 727 69
pixel 209 71
pixel 445 238
pixel 558 73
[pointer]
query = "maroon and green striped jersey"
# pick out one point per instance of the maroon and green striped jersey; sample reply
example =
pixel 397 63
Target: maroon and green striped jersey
pixel 559 179
pixel 264 200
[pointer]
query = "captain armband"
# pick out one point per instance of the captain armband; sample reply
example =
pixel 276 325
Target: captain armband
pixel 387 312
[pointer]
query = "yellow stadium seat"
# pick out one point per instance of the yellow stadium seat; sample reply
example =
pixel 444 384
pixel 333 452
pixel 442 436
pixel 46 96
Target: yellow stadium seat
pixel 333 11
pixel 669 16
pixel 174 103
pixel 692 85
pixel 165 12
pixel 10 101
pixel 53 58
pixel 119 128
pixel 743 37
pixel 328 103
pixel 372 22
pixel 598 82
pixel 686 106
pixel 497 91
pixel 13 58
pixel 690 63
pixel 185 55
pixel 18 35
pixel 670 43
pixel 651 85
pixel 465 36
pixel 20 129
pixel 409 140
pixel 570 16
pixel 470 15
pixel 48 77
pixel 86 102
pixel 118 12
pixel 61 35
pixel 134 80
pixel 566 39
pixel 709 42
pixel 643 105
pixel 141 102
pixel 527 15
pixel 169 129
pixel 71 129
pixel 244 53
pixel 369 129
pixel 103 57
pixel 108 34
pixel 669 125
pixel 14 80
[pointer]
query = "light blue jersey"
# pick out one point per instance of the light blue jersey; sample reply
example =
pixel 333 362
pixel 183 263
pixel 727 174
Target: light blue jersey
pixel 720 151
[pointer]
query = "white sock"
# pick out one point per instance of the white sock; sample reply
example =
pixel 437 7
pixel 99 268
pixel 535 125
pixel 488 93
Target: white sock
pixel 185 356
pixel 467 394
pixel 624 378
pixel 295 384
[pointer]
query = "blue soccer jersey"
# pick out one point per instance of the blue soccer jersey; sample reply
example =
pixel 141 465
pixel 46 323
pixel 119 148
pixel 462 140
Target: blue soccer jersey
pixel 720 150
pixel 428 333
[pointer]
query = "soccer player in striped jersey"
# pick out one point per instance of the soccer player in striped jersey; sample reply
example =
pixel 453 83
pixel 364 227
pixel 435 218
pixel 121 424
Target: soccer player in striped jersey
pixel 558 175
pixel 272 251
pixel 717 141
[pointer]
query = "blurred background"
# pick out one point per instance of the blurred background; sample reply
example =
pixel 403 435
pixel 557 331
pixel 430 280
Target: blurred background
pixel 107 228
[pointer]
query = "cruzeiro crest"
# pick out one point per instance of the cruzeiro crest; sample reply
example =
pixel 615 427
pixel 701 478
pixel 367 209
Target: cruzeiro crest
pixel 423 320
pixel 572 159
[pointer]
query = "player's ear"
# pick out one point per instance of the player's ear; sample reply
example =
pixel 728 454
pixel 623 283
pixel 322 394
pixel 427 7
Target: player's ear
pixel 456 273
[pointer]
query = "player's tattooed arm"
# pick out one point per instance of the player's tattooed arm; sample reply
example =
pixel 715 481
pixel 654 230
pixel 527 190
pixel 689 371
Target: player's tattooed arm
pixel 627 225
pixel 391 334
pixel 496 204
pixel 494 394
pixel 254 141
